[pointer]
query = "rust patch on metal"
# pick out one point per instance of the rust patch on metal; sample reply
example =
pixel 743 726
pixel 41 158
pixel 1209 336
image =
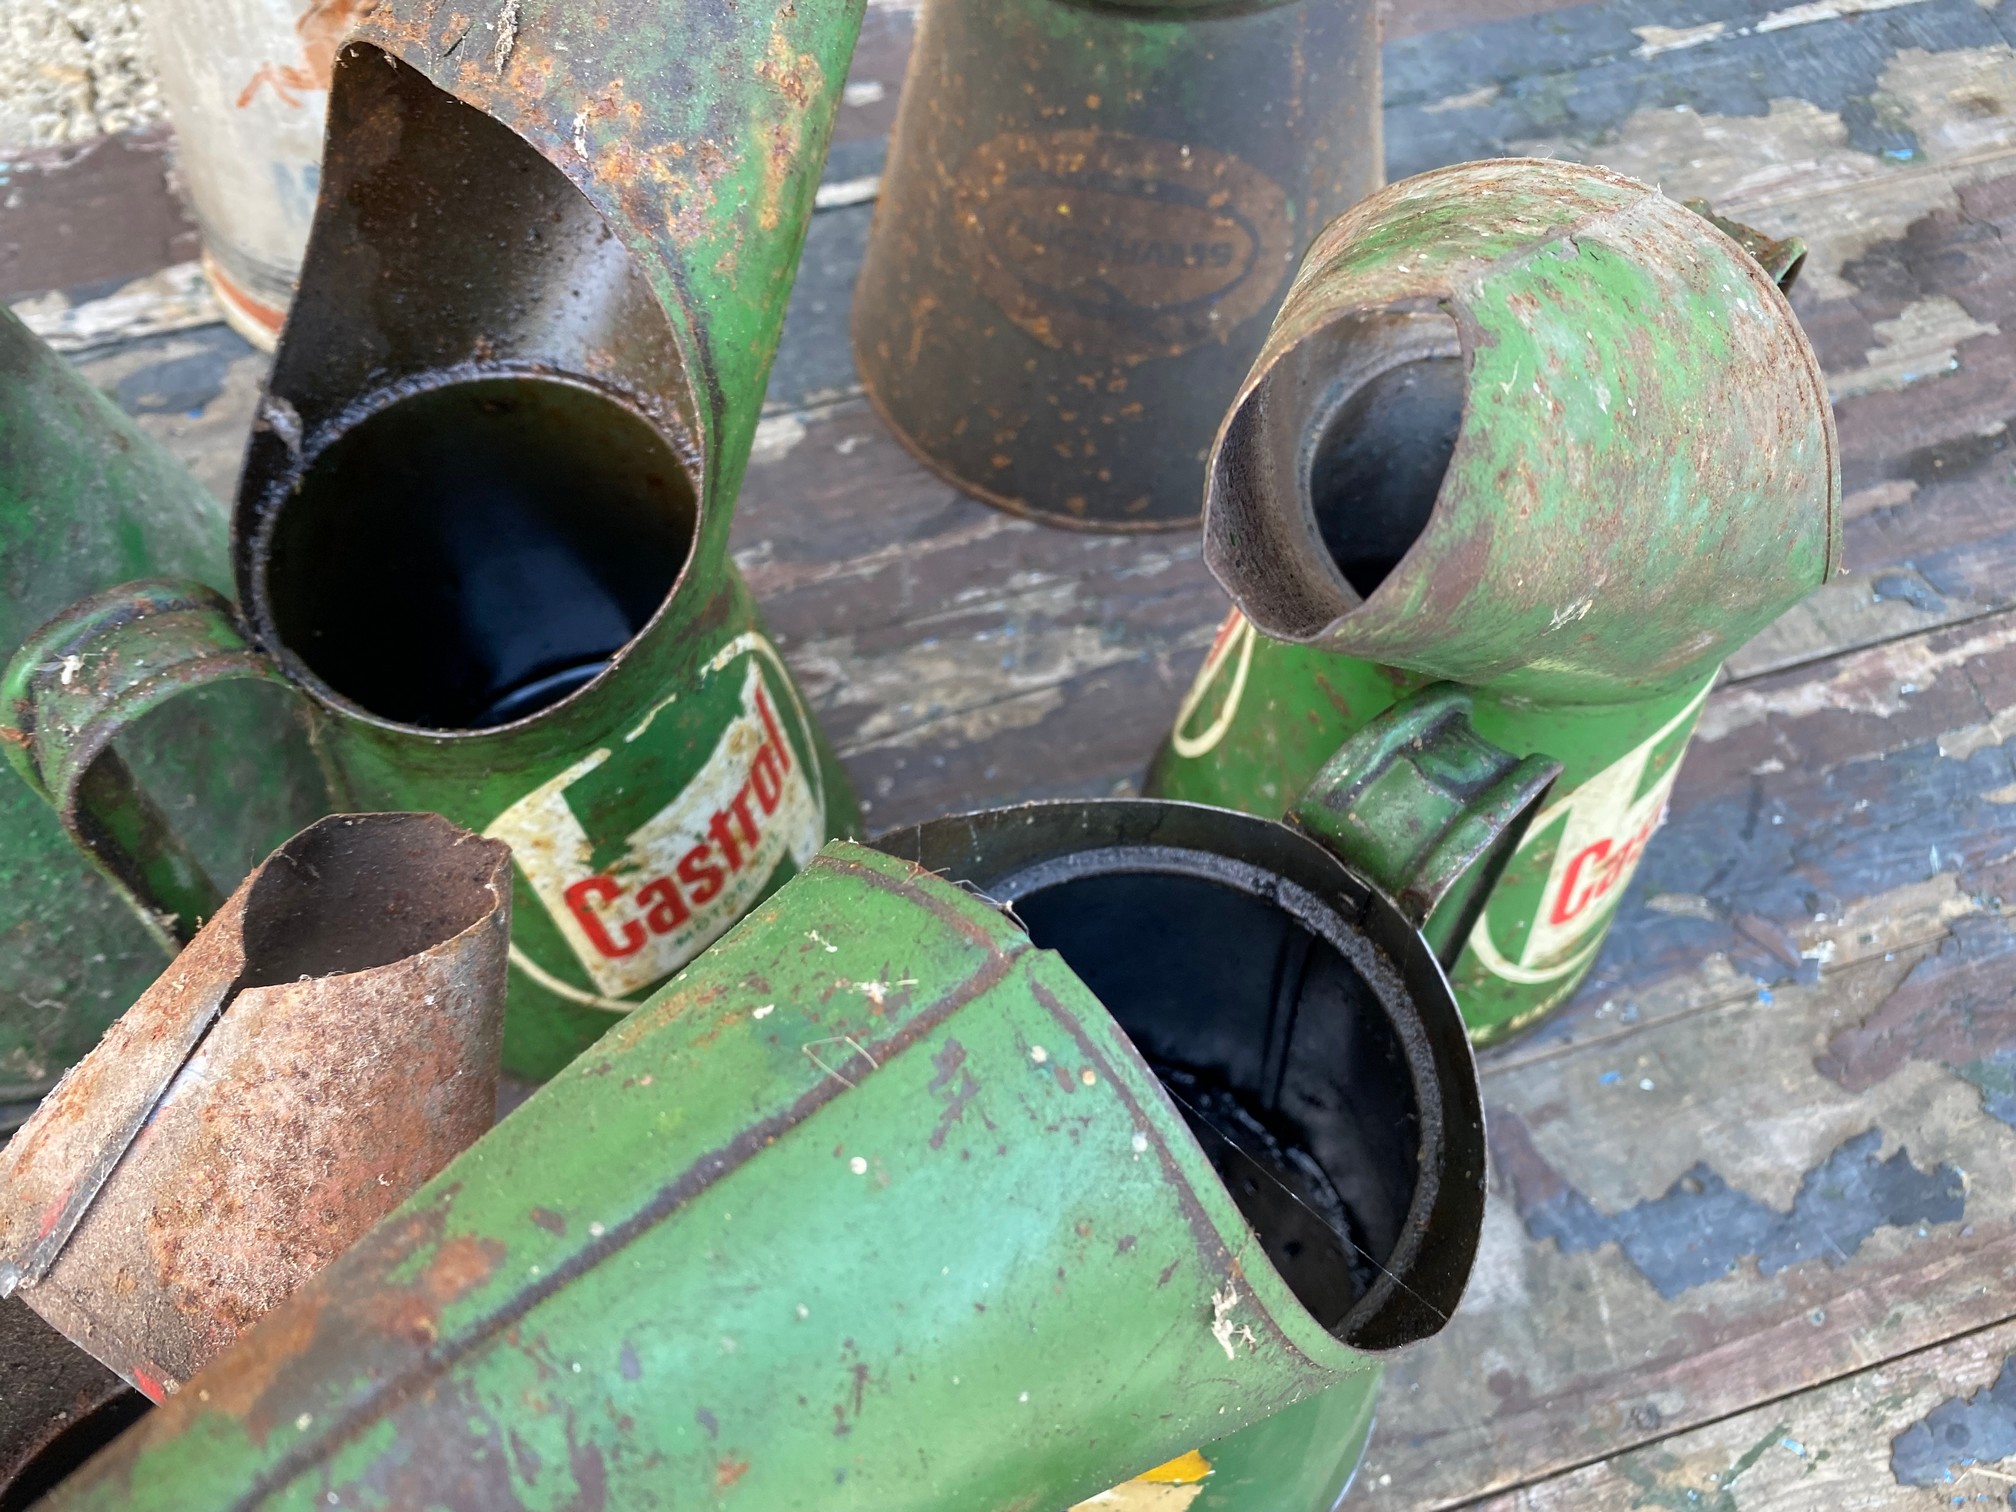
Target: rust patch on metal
pixel 329 1041
pixel 1109 244
pixel 459 1266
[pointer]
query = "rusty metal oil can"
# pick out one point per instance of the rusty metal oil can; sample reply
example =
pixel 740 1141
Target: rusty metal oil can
pixel 87 500
pixel 1533 428
pixel 483 520
pixel 328 1041
pixel 1089 213
pixel 1074 1140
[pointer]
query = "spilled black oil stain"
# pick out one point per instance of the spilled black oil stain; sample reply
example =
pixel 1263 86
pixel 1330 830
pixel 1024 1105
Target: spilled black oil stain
pixel 1975 1430
pixel 1908 588
pixel 1701 1228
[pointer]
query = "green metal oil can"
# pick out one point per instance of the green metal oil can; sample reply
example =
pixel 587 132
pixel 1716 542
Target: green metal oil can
pixel 483 520
pixel 1533 428
pixel 1089 213
pixel 1066 1142
pixel 86 501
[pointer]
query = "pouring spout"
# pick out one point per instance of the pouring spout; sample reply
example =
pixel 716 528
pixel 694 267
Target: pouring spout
pixel 1534 428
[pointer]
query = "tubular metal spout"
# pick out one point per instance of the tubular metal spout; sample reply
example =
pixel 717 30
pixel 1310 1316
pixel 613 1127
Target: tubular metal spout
pixel 585 217
pixel 325 1044
pixel 878 1160
pixel 1533 429
pixel 1529 427
pixel 1291 1013
pixel 473 343
pixel 482 525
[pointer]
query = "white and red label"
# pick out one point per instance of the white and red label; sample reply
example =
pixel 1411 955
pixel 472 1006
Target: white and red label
pixel 690 871
pixel 1232 647
pixel 1603 827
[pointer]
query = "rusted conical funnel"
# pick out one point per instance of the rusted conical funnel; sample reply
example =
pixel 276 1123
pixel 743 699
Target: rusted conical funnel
pixel 325 1044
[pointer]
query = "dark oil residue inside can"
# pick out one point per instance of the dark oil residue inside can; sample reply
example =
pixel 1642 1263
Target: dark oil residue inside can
pixel 1274 1048
pixel 470 554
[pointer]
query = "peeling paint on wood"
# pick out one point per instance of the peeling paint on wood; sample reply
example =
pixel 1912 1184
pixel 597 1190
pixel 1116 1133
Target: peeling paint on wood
pixel 1701 1229
pixel 1860 1443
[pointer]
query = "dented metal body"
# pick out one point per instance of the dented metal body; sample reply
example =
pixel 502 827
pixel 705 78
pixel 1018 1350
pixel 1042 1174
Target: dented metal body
pixel 327 1042
pixel 484 515
pixel 1089 213
pixel 86 501
pixel 956 1137
pixel 1535 429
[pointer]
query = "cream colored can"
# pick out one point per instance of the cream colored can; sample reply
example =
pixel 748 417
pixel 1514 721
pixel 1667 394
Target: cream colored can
pixel 247 82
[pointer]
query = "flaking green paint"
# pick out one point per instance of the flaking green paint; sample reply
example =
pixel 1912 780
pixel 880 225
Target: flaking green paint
pixel 695 131
pixel 1645 476
pixel 756 1319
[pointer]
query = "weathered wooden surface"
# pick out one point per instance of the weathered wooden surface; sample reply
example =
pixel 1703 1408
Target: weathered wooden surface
pixel 1760 1172
pixel 1919 1432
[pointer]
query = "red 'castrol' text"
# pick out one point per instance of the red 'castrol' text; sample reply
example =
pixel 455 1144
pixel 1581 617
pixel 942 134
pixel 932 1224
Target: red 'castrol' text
pixel 1597 832
pixel 1595 871
pixel 734 841
pixel 686 873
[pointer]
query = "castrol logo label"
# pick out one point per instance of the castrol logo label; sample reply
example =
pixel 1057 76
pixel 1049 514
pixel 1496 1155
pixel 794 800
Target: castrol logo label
pixel 1199 728
pixel 1596 834
pixel 691 870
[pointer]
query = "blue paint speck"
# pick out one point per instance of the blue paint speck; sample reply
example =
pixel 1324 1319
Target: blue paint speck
pixel 1609 1078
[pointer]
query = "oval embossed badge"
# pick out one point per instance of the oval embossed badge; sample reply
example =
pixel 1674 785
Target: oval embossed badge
pixel 1121 246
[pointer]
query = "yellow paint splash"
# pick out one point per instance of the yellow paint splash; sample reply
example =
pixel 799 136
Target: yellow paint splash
pixel 1166 1488
pixel 1184 1470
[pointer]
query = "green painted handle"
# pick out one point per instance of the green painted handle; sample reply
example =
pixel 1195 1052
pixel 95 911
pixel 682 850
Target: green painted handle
pixel 1427 810
pixel 1783 259
pixel 87 676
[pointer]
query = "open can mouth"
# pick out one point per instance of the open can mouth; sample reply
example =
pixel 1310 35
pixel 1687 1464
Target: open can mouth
pixel 1299 1026
pixel 476 479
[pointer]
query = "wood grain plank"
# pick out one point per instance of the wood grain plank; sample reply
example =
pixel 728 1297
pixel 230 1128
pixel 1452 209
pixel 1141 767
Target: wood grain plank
pixel 1694 1219
pixel 1419 18
pixel 958 656
pixel 1932 1429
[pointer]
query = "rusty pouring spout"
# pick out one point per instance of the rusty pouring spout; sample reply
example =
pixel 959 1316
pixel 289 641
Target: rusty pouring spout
pixel 327 1042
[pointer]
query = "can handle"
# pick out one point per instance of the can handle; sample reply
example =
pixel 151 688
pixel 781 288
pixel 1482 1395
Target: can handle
pixel 1427 810
pixel 84 678
pixel 1782 259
